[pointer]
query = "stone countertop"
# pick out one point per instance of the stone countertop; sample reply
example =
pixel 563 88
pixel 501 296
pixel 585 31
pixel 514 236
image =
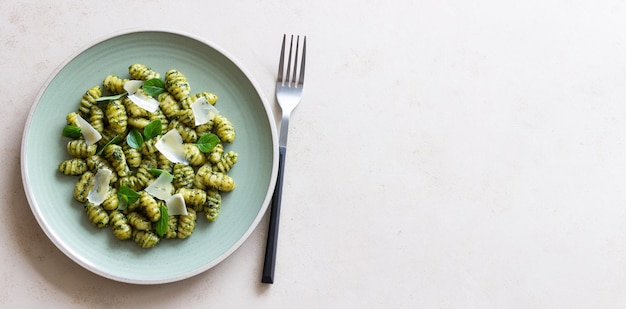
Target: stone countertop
pixel 446 154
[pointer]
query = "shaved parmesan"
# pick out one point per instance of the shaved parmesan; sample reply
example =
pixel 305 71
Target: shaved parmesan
pixel 176 205
pixel 161 187
pixel 146 102
pixel 203 111
pixel 171 146
pixel 91 135
pixel 100 190
pixel 132 86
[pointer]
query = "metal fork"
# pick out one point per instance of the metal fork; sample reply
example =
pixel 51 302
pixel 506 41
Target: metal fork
pixel 288 93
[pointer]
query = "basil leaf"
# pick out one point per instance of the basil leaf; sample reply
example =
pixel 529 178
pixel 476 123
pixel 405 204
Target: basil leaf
pixel 154 87
pixel 109 98
pixel 71 132
pixel 123 204
pixel 127 196
pixel 207 141
pixel 152 129
pixel 157 172
pixel 161 224
pixel 134 139
pixel 114 140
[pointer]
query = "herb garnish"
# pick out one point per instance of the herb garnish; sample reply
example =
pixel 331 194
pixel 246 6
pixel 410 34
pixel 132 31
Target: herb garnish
pixel 110 98
pixel 152 129
pixel 161 225
pixel 114 140
pixel 71 131
pixel 134 139
pixel 127 196
pixel 157 172
pixel 154 87
pixel 207 142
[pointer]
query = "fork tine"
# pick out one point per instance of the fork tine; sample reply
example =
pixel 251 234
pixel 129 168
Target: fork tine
pixel 301 79
pixel 295 62
pixel 291 78
pixel 289 63
pixel 281 61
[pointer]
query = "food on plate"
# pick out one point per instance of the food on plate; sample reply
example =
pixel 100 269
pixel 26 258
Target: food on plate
pixel 149 156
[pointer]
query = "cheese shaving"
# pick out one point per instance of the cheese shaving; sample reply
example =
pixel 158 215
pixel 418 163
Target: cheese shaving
pixel 161 187
pixel 90 134
pixel 132 86
pixel 176 205
pixel 203 111
pixel 171 146
pixel 100 190
pixel 146 102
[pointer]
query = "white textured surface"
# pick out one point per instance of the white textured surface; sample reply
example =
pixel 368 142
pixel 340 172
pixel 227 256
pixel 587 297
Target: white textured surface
pixel 446 154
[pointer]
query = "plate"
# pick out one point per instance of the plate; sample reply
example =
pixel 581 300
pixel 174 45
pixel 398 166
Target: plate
pixel 50 193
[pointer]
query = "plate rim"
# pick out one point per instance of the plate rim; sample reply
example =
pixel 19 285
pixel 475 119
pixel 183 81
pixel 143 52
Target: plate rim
pixel 51 234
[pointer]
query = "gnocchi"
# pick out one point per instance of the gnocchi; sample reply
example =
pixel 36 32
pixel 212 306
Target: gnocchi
pixel 114 84
pixel 142 72
pixel 176 83
pixel 119 225
pixel 89 99
pixel 200 180
pixel 75 166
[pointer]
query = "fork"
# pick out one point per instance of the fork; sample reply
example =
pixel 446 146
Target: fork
pixel 288 93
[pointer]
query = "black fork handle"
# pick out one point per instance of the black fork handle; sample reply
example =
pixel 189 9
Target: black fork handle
pixel 272 233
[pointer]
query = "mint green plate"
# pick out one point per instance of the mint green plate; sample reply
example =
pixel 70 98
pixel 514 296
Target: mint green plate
pixel 208 68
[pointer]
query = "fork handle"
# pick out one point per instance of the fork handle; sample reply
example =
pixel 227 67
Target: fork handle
pixel 272 233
